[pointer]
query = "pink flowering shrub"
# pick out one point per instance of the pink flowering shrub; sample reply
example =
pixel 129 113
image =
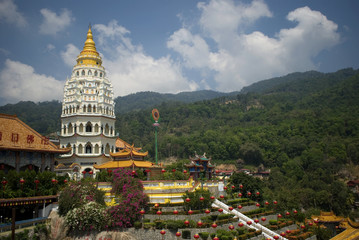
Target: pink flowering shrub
pixel 77 194
pixel 132 199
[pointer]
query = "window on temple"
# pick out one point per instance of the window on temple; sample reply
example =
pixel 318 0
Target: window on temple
pixel 71 129
pixel 81 128
pixel 96 128
pixel 88 127
pixel 88 148
pixel 80 149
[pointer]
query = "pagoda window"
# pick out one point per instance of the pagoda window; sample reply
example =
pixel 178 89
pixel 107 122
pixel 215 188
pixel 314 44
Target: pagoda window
pixel 88 148
pixel 77 108
pixel 90 73
pixel 97 148
pixel 111 131
pixel 96 130
pixel 107 149
pixel 64 129
pixel 100 74
pixel 70 110
pixel 83 73
pixel 80 149
pixel 84 109
pixel 95 73
pixel 71 129
pixel 81 128
pixel 94 109
pixel 77 73
pixel 88 127
pixel 68 146
pixel 107 129
pixel 74 148
pixel 89 108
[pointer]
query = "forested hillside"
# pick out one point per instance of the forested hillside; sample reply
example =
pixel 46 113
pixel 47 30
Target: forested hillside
pixel 307 132
pixel 144 100
pixel 303 126
pixel 44 117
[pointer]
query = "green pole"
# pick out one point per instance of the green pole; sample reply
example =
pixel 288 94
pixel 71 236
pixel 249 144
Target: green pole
pixel 156 144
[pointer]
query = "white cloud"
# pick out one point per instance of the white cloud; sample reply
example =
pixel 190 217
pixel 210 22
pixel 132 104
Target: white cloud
pixel 131 70
pixel 223 18
pixel 238 58
pixel 54 23
pixel 50 47
pixel 70 54
pixel 193 48
pixel 10 14
pixel 19 81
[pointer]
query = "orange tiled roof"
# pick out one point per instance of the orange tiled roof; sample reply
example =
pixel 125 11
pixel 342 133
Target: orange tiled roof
pixel 124 145
pixel 128 152
pixel 124 164
pixel 16 135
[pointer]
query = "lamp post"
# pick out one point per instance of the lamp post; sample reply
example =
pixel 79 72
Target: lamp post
pixel 142 212
pixel 22 181
pixel 3 182
pixel 36 181
pixel 156 124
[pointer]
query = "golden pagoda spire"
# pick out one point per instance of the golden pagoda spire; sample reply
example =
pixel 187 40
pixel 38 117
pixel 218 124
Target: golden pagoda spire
pixel 89 54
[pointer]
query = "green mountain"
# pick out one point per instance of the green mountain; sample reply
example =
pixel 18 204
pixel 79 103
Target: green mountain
pixel 306 132
pixel 303 126
pixel 143 100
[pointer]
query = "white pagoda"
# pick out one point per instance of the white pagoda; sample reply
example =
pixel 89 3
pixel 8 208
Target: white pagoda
pixel 88 115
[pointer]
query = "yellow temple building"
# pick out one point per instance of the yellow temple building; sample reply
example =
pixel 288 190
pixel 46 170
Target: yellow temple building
pixel 127 156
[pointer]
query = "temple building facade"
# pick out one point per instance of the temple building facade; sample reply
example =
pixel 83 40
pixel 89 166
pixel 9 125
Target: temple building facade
pixel 22 148
pixel 200 167
pixel 88 115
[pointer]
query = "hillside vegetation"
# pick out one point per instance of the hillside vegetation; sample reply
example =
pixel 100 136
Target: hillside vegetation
pixel 304 126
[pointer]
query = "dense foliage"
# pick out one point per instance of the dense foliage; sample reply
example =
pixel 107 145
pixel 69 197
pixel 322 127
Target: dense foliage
pixel 35 184
pixel 198 200
pixel 88 217
pixel 131 198
pixel 78 194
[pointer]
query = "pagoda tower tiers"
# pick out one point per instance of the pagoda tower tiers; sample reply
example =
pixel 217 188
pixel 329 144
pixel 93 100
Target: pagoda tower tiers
pixel 88 116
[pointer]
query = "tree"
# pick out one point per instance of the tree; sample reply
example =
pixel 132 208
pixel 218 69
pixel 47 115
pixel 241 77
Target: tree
pixel 131 198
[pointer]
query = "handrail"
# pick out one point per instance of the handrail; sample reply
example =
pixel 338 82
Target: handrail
pixel 243 218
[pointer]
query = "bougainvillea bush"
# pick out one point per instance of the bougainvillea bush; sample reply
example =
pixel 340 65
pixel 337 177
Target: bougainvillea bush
pixel 77 194
pixel 91 216
pixel 129 190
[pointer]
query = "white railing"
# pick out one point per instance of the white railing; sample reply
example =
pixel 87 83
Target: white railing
pixel 244 219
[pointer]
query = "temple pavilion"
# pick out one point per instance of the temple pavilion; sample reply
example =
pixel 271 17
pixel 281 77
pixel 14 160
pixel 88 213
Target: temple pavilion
pixel 200 167
pixel 126 156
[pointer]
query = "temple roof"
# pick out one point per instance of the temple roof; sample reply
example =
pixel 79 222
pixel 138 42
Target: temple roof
pixel 16 135
pixel 129 153
pixel 121 144
pixel 89 54
pixel 124 164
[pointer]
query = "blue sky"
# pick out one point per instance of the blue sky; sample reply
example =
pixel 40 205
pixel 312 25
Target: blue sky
pixel 170 46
